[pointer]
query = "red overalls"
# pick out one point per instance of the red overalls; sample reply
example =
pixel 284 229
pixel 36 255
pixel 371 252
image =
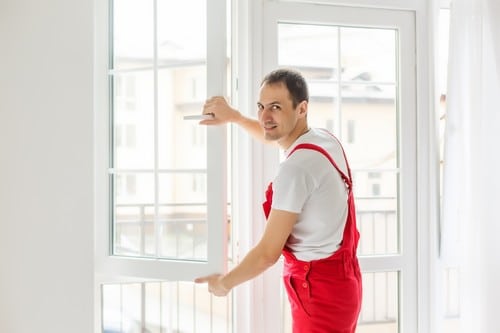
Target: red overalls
pixel 325 294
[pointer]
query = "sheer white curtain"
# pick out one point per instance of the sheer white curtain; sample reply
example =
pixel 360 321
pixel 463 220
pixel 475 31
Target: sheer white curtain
pixel 471 174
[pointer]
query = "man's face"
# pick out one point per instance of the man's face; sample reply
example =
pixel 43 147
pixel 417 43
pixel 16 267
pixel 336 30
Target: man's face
pixel 277 116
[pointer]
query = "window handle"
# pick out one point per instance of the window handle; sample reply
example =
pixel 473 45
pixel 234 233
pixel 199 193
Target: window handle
pixel 199 116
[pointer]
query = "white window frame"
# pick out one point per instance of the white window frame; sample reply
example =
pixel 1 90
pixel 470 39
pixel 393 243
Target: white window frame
pixel 404 20
pixel 254 303
pixel 110 268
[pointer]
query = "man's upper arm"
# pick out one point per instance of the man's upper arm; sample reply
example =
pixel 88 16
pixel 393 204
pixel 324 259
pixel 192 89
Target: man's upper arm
pixel 278 228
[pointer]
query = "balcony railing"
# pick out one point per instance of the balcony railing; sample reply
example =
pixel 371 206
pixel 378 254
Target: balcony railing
pixel 178 303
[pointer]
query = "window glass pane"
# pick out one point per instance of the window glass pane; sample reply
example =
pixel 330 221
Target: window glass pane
pixel 183 235
pixel 376 215
pixel 152 307
pixel 159 169
pixel 373 110
pixel 133 117
pixel 368 54
pixel 133 27
pixel 111 299
pixel 182 143
pixel 159 307
pixel 297 42
pixel 183 215
pixel 379 311
pixel 134 215
pixel 181 31
pixel 121 308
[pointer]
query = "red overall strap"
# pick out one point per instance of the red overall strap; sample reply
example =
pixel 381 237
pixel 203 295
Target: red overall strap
pixel 347 179
pixel 343 151
pixel 351 219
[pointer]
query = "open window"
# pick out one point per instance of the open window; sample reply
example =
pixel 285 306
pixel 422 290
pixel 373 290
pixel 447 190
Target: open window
pixel 166 174
pixel 161 185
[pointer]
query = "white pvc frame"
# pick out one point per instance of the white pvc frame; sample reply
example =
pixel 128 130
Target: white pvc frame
pixel 112 269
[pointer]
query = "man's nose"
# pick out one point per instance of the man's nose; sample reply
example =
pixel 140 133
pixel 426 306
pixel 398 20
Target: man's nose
pixel 265 113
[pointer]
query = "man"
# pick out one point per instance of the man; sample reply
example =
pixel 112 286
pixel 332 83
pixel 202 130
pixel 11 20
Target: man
pixel 309 209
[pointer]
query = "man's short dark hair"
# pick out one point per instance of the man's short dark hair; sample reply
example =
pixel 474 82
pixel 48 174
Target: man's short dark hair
pixel 294 82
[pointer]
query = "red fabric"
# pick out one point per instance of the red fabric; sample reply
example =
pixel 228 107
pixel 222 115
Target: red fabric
pixel 269 199
pixel 325 294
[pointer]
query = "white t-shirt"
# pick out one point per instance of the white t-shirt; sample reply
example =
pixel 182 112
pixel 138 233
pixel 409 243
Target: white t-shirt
pixel 308 184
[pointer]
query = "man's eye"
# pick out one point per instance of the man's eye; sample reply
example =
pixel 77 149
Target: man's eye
pixel 275 107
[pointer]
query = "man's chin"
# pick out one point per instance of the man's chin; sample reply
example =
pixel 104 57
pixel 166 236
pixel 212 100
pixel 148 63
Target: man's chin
pixel 270 137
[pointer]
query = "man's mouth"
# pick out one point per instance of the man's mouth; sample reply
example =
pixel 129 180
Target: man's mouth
pixel 269 127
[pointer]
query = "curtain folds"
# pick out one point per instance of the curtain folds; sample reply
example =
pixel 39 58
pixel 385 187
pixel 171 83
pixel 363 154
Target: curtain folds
pixel 470 237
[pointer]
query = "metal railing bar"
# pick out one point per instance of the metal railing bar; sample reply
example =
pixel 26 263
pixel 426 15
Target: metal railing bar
pixel 113 171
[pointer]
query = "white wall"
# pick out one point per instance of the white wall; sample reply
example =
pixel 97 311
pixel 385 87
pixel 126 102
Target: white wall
pixel 46 166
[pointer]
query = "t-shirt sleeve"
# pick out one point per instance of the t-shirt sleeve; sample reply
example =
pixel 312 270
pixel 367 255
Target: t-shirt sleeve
pixel 291 188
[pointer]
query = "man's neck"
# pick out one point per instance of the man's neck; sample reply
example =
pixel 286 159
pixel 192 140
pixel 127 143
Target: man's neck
pixel 294 135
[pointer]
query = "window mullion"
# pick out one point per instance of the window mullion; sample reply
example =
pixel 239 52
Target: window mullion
pixel 157 226
pixel 216 135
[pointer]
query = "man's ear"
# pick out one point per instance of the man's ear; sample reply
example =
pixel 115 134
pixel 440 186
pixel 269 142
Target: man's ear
pixel 302 108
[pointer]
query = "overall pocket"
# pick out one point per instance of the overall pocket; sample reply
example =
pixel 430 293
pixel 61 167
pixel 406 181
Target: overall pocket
pixel 298 291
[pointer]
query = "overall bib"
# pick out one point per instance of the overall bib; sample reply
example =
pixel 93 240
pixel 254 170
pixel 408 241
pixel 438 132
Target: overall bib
pixel 325 294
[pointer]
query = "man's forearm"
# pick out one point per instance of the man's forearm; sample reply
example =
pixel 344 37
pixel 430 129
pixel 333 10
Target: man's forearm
pixel 252 265
pixel 252 127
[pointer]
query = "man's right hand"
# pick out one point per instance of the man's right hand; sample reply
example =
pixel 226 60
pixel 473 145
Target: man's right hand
pixel 221 110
